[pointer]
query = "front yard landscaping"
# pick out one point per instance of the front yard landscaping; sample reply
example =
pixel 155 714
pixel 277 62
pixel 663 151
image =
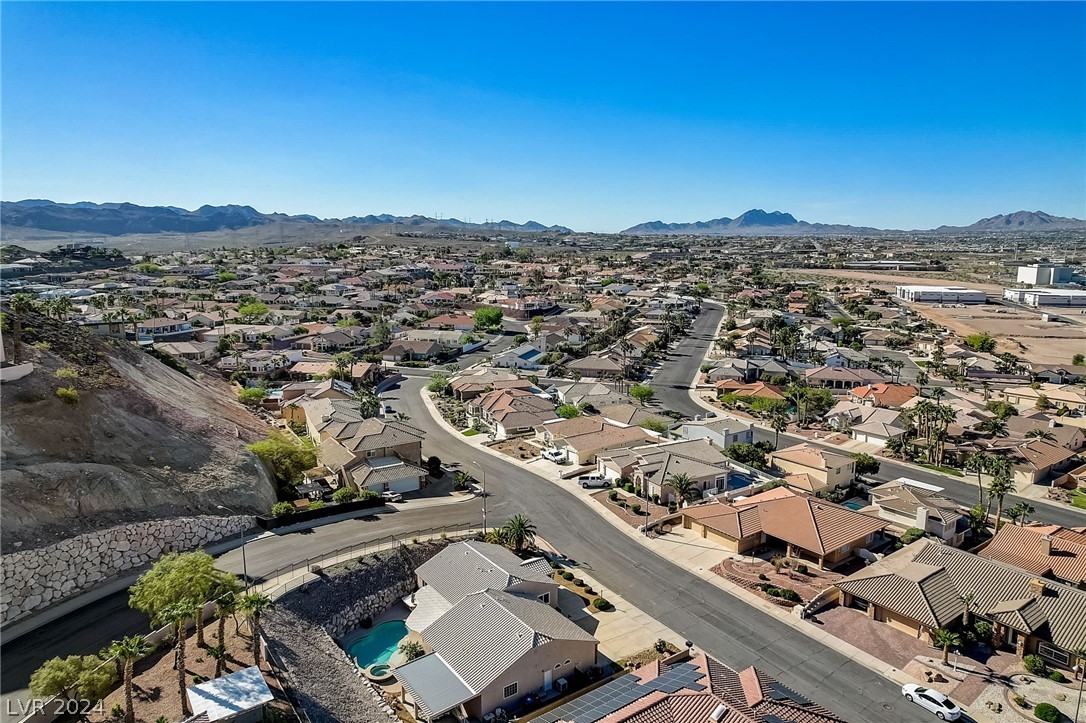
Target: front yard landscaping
pixel 517 448
pixel 631 509
pixel 795 582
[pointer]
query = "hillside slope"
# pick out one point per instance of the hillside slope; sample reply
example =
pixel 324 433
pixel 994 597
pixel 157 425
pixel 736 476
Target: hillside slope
pixel 143 442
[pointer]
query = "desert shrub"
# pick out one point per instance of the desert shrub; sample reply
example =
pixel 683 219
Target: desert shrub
pixel 801 569
pixel 317 505
pixel 367 495
pixel 68 395
pixel 588 590
pixel 282 509
pixel 578 581
pixel 636 508
pixel 68 374
pixel 433 466
pixel 567 575
pixel 1047 712
pixel 660 646
pixel 612 495
pixel 601 604
pixel 1019 700
pixel 911 535
pixel 1035 665
pixel 763 576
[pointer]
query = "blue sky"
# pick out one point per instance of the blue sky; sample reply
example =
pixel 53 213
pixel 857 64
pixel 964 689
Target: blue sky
pixel 596 116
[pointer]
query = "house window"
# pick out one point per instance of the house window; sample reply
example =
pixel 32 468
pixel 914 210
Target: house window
pixel 371 452
pixel 545 598
pixel 1054 654
pixel 509 691
pixel 844 548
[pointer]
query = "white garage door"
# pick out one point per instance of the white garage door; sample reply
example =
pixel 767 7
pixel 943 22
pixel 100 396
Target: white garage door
pixel 406 484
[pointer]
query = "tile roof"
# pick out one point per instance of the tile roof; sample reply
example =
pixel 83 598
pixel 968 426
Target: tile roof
pixel 1046 550
pixel 906 499
pixel 468 567
pixel 809 455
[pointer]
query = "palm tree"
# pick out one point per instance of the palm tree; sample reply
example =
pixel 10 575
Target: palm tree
pixel 218 652
pixel 778 422
pixel 128 300
pixel 225 607
pixel 1019 511
pixel 461 480
pixel 1041 433
pixel 20 305
pixel 978 462
pixel 683 485
pixel 967 599
pixel 178 616
pixel 519 531
pixel 998 488
pixel 944 639
pixel 995 426
pixel 254 605
pixel 128 651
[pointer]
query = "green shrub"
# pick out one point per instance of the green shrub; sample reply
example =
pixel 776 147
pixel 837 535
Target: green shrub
pixel 1019 700
pixel 801 569
pixel 636 508
pixel 344 495
pixel 282 509
pixel 578 581
pixel 68 374
pixel 316 505
pixel 1057 676
pixel 763 576
pixel 983 631
pixel 601 604
pixel 68 395
pixel 1047 712
pixel 660 646
pixel 588 590
pixel 1035 665
pixel 367 495
pixel 612 495
pixel 911 535
pixel 567 575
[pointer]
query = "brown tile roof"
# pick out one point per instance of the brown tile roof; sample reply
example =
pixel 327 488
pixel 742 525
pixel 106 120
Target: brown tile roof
pixel 1046 550
pixel 809 455
pixel 888 395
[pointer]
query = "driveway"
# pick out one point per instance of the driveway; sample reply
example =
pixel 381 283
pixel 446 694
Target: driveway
pixel 879 639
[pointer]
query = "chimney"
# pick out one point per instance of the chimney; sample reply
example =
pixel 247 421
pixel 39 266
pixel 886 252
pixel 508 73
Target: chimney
pixel 921 521
pixel 1052 424
pixel 1036 588
pixel 1046 545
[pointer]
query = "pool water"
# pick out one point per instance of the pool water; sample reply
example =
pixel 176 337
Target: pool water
pixel 379 645
pixel 855 504
pixel 738 480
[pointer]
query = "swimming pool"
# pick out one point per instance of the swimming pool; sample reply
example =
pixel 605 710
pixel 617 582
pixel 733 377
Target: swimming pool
pixel 379 645
pixel 855 504
pixel 738 480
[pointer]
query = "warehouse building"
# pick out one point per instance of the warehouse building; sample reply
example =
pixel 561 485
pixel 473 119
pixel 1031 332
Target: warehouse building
pixel 941 294
pixel 1044 274
pixel 1046 297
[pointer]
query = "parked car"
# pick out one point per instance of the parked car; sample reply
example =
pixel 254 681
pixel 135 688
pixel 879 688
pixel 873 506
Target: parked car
pixel 558 456
pixel 932 700
pixel 392 496
pixel 593 480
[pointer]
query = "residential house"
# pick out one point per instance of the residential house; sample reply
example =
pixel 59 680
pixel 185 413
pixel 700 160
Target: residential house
pixel 1058 374
pixel 808 528
pixel 487 619
pixel 511 412
pixel 456 322
pixel 813 469
pixel 196 351
pixel 1051 551
pixel 1070 437
pixel 583 438
pixel 909 506
pixel 686 689
pixel 919 589
pixel 1033 461
pixel 631 414
pixel 833 378
pixel 597 394
pixel 469 386
pixel 597 366
pixel 756 390
pixel 1058 395
pixel 406 350
pixel 164 329
pixel 651 468
pixel 864 423
pixel 526 356
pixel 891 396
pixel 721 433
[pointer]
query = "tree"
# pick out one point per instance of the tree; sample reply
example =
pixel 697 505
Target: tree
pixel 866 464
pixel 438 384
pixel 1043 402
pixel 462 480
pixel 995 426
pixel 683 485
pixel 250 311
pixel 487 317
pixel 176 578
pixel 1078 360
pixel 128 651
pixel 981 341
pixel 536 326
pixel 519 532
pixel 1019 511
pixel 253 606
pixel 411 650
pixel 219 654
pixel 20 305
pixel 654 424
pixel 967 600
pixel 998 488
pixel 226 606
pixel 252 396
pixel 177 616
pixel 85 676
pixel 382 333
pixel 343 362
pixel 945 639
pixel 285 459
pixel 642 393
pixel 567 411
pixel 978 463
pixel 344 495
pixel 1041 433
pixel 748 454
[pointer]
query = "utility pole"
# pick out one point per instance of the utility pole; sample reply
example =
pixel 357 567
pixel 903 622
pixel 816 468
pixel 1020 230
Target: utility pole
pixel 244 564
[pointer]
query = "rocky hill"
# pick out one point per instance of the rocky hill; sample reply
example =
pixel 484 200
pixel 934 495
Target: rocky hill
pixel 142 441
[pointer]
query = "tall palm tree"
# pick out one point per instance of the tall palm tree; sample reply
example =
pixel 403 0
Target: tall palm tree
pixel 778 422
pixel 519 531
pixel 944 639
pixel 225 607
pixel 128 651
pixel 254 605
pixel 997 466
pixel 995 426
pixel 683 485
pixel 998 488
pixel 1041 433
pixel 20 305
pixel 219 653
pixel 177 617
pixel 1019 511
pixel 978 462
pixel 967 600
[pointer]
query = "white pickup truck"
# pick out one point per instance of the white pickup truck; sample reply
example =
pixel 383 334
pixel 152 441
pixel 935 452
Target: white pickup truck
pixel 558 456
pixel 593 480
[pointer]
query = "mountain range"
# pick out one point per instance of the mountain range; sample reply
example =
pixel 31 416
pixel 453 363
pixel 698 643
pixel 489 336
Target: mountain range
pixel 776 223
pixel 116 219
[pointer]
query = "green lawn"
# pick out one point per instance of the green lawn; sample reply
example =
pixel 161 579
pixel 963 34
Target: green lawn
pixel 470 432
pixel 945 470
pixel 1078 499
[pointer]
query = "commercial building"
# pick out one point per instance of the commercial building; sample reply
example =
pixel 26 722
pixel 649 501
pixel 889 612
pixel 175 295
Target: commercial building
pixel 941 294
pixel 1046 297
pixel 1044 274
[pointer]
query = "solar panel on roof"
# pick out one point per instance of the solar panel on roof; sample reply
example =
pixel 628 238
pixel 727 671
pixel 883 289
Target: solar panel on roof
pixel 787 693
pixel 770 718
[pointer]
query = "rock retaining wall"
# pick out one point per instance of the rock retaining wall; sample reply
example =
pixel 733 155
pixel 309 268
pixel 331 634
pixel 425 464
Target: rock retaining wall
pixel 36 579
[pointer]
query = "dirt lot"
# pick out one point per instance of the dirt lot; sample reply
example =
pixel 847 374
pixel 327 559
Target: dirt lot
pixel 1017 331
pixel 887 281
pixel 518 448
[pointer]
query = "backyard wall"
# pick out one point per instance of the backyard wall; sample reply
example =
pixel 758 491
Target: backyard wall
pixel 35 579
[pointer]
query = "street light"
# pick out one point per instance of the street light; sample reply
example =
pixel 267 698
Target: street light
pixel 244 563
pixel 482 474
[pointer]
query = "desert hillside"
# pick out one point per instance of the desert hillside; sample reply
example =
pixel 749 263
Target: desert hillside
pixel 142 441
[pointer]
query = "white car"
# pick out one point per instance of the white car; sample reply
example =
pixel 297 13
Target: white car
pixel 392 496
pixel 932 700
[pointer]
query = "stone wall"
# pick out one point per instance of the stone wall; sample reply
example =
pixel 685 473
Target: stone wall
pixel 36 579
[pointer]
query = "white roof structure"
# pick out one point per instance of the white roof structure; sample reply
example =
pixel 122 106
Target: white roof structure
pixel 230 695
